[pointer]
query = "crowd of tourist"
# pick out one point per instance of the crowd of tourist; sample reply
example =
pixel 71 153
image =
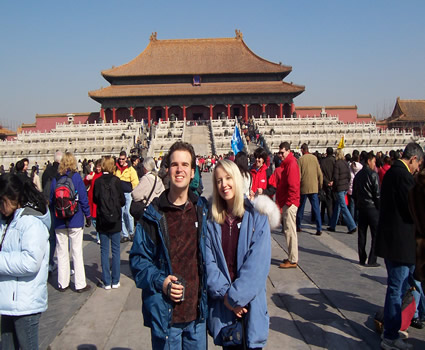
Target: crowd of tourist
pixel 194 261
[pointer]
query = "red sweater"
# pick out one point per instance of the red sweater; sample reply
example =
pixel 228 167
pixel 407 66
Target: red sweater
pixel 286 179
pixel 92 205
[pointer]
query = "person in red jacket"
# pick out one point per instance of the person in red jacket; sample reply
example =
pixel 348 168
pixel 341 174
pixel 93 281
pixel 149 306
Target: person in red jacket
pixel 89 181
pixel 260 174
pixel 286 178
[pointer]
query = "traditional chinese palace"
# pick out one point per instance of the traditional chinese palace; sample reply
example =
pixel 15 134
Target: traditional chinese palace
pixel 195 79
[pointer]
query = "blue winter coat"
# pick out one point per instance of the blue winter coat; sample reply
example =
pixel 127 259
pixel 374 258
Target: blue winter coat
pixel 249 287
pixel 24 260
pixel 77 220
pixel 150 264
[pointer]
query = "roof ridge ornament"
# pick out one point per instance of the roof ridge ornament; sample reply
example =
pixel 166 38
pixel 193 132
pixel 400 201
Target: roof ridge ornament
pixel 153 36
pixel 238 33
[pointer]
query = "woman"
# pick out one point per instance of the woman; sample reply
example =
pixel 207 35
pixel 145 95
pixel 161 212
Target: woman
pixel 89 181
pixel 109 198
pixel 35 178
pixel 24 258
pixel 261 173
pixel 71 229
pixel 238 252
pixel 341 183
pixel 149 187
pixel 355 167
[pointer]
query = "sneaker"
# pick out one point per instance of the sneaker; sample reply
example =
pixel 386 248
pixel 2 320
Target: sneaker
pixel 98 241
pixel 396 344
pixel 116 286
pixel 107 287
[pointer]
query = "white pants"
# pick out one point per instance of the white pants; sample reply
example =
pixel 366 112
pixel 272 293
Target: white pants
pixel 289 218
pixel 75 236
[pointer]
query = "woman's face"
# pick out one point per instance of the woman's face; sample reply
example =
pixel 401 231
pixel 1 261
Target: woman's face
pixel 225 185
pixel 99 168
pixel 259 162
pixel 7 207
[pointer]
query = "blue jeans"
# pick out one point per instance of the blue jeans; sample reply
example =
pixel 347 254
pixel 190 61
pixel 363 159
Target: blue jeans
pixel 314 201
pixel 340 205
pixel 419 299
pixel 127 219
pixel 183 336
pixel 397 285
pixel 20 332
pixel 93 222
pixel 104 257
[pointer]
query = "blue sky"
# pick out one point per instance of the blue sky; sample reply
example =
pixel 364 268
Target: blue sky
pixel 364 53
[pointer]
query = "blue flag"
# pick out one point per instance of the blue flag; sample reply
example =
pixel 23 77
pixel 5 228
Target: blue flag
pixel 237 143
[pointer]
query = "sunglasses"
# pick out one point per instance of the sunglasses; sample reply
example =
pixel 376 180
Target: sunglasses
pixel 281 153
pixel 122 158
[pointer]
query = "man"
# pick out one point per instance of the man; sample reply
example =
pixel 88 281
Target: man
pixel 286 179
pixel 366 198
pixel 129 181
pixel 169 246
pixel 311 182
pixel 327 166
pixel 396 239
pixel 137 165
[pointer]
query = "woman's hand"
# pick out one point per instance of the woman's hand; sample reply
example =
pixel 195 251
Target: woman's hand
pixel 238 310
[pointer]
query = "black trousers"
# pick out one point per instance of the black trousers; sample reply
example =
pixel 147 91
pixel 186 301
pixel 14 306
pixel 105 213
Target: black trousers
pixel 327 205
pixel 367 218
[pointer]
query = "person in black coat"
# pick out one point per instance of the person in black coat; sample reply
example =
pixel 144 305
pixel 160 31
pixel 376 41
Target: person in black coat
pixel 396 236
pixel 341 182
pixel 109 198
pixel 366 196
pixel 327 166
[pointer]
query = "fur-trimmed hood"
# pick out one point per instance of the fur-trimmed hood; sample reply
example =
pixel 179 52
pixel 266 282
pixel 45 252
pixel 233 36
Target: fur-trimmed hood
pixel 264 205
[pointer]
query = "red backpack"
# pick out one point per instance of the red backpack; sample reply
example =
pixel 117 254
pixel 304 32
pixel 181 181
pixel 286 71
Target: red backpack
pixel 66 198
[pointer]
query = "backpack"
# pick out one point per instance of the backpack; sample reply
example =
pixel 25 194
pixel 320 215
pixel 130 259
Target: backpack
pixel 66 198
pixel 108 211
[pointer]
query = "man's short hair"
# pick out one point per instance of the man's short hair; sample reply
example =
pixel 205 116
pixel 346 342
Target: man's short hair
pixel 370 155
pixel 329 151
pixel 285 145
pixel 413 149
pixel 123 153
pixel 182 146
pixel 304 147
pixel 19 166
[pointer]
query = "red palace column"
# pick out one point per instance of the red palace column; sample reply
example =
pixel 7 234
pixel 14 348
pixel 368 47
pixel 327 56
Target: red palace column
pixel 149 117
pixel 131 111
pixel 184 113
pixel 246 113
pixel 102 114
pixel 292 108
pixel 114 116
pixel 263 107
pixel 211 111
pixel 228 111
pixel 281 110
pixel 166 113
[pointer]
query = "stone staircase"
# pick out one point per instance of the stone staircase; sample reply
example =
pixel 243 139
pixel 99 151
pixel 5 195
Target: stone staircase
pixel 199 137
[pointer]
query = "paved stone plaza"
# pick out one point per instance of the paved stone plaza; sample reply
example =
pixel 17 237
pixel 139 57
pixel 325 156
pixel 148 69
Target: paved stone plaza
pixel 328 302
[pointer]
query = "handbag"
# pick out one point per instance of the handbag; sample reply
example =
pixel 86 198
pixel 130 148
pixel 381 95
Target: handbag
pixel 234 334
pixel 138 208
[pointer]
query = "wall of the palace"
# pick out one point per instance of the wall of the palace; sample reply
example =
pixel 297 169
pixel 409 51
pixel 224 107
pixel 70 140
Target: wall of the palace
pixel 346 115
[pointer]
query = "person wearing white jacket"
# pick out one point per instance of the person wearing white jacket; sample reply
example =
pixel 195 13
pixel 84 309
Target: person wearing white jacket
pixel 24 258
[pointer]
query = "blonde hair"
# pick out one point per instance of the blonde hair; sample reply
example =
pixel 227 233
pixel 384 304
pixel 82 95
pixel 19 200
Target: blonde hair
pixel 108 164
pixel 68 162
pixel 339 154
pixel 219 205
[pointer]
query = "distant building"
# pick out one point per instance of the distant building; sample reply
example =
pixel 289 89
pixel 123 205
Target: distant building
pixel 407 115
pixel 346 114
pixel 195 79
pixel 6 134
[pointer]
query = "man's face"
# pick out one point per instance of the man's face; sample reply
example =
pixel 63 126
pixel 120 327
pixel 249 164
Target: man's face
pixel 258 162
pixel 180 170
pixel 283 153
pixel 414 164
pixel 371 163
pixel 122 160
pixel 25 166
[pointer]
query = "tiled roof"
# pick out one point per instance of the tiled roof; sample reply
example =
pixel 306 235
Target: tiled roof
pixel 196 57
pixel 4 131
pixel 408 110
pixel 150 90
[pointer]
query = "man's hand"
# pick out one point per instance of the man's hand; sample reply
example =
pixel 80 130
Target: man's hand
pixel 260 191
pixel 176 290
pixel 238 310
